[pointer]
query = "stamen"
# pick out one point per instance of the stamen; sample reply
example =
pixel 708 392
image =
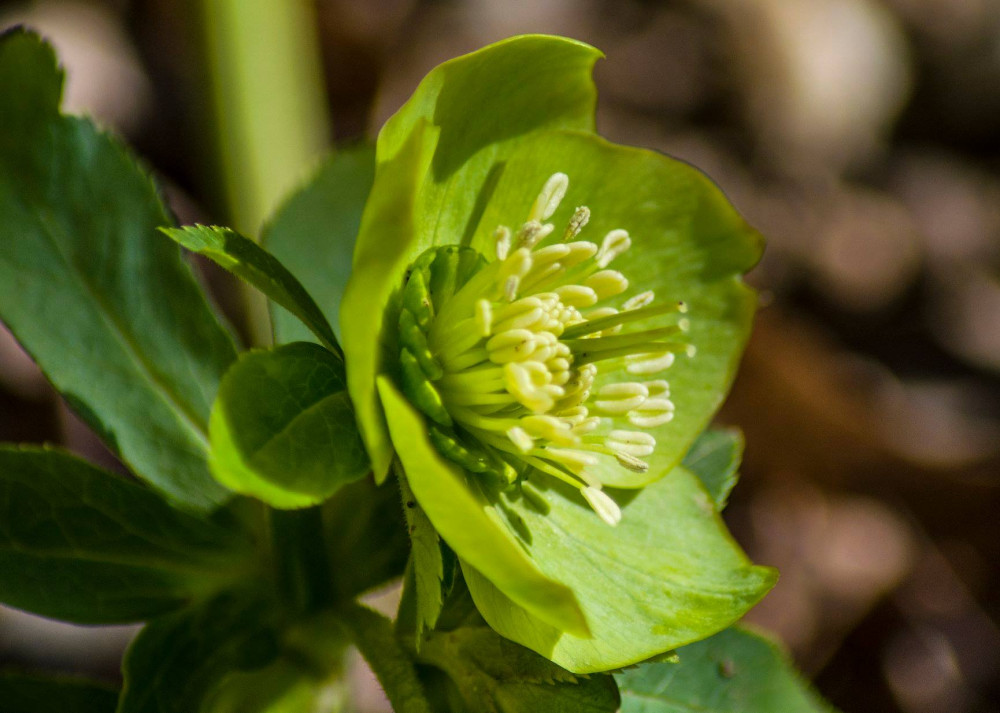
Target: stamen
pixel 636 465
pixel 550 197
pixel 484 317
pixel 520 438
pixel 635 443
pixel 640 300
pixel 581 216
pixel 607 283
pixel 606 508
pixel 501 238
pixel 577 295
pixel 658 362
pixel 614 244
pixel 652 413
pixel 532 233
pixel 620 398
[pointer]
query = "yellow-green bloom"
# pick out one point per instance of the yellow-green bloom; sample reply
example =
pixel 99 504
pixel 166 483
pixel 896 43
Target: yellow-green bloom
pixel 538 325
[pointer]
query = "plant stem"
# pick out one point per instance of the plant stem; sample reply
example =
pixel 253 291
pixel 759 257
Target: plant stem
pixel 271 120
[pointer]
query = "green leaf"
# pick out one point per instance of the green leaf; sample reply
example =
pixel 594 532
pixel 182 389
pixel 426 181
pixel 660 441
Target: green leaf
pixel 84 545
pixel 640 599
pixel 427 562
pixel 735 671
pixel 438 159
pixel 106 307
pixel 715 459
pixel 467 522
pixel 313 234
pixel 688 245
pixel 179 660
pixel 373 634
pixel 495 675
pixel 248 261
pixel 283 429
pixel 24 693
pixel 366 537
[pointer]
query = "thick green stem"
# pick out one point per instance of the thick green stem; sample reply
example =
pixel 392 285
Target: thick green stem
pixel 271 120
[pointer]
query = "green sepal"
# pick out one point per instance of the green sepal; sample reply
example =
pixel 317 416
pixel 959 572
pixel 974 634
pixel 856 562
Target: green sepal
pixel 434 174
pixel 465 520
pixel 715 458
pixel 735 671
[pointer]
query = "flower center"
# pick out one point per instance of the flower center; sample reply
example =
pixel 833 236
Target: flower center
pixel 504 357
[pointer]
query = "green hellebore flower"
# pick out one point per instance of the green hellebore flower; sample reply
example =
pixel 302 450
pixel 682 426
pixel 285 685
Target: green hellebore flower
pixel 539 324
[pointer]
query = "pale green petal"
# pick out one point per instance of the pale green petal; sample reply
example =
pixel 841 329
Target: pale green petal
pixel 437 161
pixel 467 522
pixel 667 575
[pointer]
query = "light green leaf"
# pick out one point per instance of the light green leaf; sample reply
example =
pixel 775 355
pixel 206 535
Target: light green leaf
pixel 735 671
pixel 84 545
pixel 438 160
pixel 177 661
pixel 24 693
pixel 494 675
pixel 466 521
pixel 667 575
pixel 715 459
pixel 427 563
pixel 248 261
pixel 313 234
pixel 688 245
pixel 283 429
pixel 106 307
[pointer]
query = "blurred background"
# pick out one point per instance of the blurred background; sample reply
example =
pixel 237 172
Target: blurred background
pixel 862 137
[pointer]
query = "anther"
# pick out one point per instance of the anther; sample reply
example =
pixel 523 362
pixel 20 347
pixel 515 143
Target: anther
pixel 550 197
pixel 607 283
pixel 636 465
pixel 614 244
pixel 484 316
pixel 606 508
pixel 501 238
pixel 651 364
pixel 635 443
pixel 519 437
pixel 640 300
pixel 532 233
pixel 577 295
pixel 581 216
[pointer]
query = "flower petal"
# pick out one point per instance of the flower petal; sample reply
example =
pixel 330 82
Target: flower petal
pixel 687 244
pixel 437 159
pixel 467 522
pixel 666 575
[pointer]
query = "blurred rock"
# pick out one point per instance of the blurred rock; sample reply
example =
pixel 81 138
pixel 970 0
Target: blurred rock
pixel 822 80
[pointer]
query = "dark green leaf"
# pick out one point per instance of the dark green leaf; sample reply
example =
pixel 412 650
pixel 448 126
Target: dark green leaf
pixel 313 234
pixel 23 693
pixel 366 536
pixel 177 661
pixel 495 675
pixel 735 671
pixel 283 429
pixel 107 307
pixel 248 261
pixel 715 459
pixel 81 544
